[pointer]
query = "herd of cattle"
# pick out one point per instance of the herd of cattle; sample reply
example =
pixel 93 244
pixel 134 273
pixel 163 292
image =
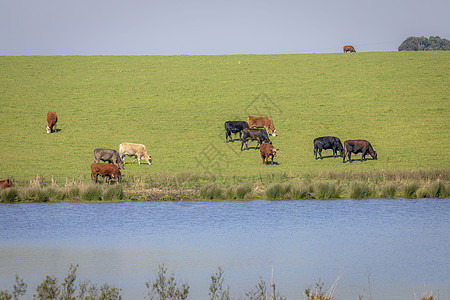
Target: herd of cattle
pixel 247 132
pixel 255 129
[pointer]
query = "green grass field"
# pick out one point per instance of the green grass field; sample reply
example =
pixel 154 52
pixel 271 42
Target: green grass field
pixel 177 106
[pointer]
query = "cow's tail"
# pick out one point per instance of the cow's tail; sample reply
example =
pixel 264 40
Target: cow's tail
pixel 345 150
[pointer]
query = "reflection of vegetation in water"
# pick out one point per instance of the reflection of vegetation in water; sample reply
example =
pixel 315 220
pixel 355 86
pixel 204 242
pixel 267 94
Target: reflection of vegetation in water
pixel 164 286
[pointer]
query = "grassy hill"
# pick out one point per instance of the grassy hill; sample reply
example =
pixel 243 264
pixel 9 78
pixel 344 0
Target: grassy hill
pixel 177 105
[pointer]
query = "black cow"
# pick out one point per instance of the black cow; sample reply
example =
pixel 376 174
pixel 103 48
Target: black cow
pixel 328 142
pixel 234 127
pixel 254 134
pixel 109 155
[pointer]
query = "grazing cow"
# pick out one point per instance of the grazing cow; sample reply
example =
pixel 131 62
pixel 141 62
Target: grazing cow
pixel 262 122
pixel 267 151
pixel 254 134
pixel 234 127
pixel 52 118
pixel 6 183
pixel 105 170
pixel 357 146
pixel 328 142
pixel 109 155
pixel 137 150
pixel 349 48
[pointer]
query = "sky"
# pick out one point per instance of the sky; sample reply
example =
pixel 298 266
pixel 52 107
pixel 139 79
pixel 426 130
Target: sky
pixel 210 27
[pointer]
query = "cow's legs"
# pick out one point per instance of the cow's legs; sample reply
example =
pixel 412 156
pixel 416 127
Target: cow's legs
pixel 363 155
pixel 263 158
pixel 242 145
pixel 272 160
pixel 350 156
pixel 315 152
pixel 320 153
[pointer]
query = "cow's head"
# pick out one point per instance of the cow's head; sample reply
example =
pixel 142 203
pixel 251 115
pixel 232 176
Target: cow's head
pixel 148 158
pixel 120 164
pixel 274 132
pixel 49 130
pixel 374 155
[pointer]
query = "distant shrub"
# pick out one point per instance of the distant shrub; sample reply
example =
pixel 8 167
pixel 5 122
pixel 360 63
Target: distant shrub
pixel 9 195
pixel 326 190
pixel 166 287
pixel 360 190
pixel 91 192
pixel 410 189
pixel 216 288
pixel 212 192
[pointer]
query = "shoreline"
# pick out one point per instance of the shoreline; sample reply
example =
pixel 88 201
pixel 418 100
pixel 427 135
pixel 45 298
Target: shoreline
pixel 204 187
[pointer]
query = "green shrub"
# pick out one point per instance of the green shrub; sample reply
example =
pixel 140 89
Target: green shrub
pixel 91 192
pixel 300 192
pixel 360 190
pixel 167 198
pixel 212 192
pixel 9 195
pixel 166 287
pixel 35 194
pixel 388 191
pixel 216 288
pixel 410 189
pixel 438 189
pixel 243 190
pixel 275 191
pixel 114 192
pixel 326 190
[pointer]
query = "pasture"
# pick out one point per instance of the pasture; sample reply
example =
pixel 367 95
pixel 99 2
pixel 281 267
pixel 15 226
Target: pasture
pixel 177 106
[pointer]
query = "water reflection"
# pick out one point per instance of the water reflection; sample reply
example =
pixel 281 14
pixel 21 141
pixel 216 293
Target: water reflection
pixel 400 244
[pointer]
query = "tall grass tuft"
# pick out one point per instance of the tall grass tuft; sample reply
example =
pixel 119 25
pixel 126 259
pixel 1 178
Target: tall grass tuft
pixel 275 191
pixel 9 195
pixel 410 189
pixel 72 193
pixel 325 190
pixel 91 192
pixel 114 192
pixel 360 190
pixel 35 194
pixel 243 190
pixel 389 190
pixel 212 192
pixel 300 191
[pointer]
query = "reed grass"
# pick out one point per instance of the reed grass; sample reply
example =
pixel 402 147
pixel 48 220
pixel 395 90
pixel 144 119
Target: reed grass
pixel 410 189
pixel 243 190
pixel 388 190
pixel 212 192
pixel 114 192
pixel 91 192
pixel 9 195
pixel 360 190
pixel 325 190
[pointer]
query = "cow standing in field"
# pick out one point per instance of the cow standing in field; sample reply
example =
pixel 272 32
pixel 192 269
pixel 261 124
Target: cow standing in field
pixel 234 127
pixel 358 146
pixel 328 142
pixel 52 118
pixel 105 170
pixel 267 151
pixel 6 184
pixel 109 155
pixel 262 122
pixel 349 48
pixel 254 134
pixel 137 150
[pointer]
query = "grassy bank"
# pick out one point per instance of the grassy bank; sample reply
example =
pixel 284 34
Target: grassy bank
pixel 191 186
pixel 177 106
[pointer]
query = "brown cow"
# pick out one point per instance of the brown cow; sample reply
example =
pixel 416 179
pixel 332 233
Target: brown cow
pixel 6 183
pixel 262 122
pixel 267 151
pixel 358 146
pixel 52 118
pixel 104 169
pixel 349 48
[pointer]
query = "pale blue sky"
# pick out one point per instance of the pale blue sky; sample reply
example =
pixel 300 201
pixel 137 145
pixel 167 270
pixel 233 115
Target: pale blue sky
pixel 173 27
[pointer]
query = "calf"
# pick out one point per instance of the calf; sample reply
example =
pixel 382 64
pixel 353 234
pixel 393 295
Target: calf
pixel 357 146
pixel 234 127
pixel 254 134
pixel 6 183
pixel 328 142
pixel 52 118
pixel 105 170
pixel 262 122
pixel 109 155
pixel 267 151
pixel 137 150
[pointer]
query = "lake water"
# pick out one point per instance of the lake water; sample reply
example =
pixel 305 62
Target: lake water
pixel 389 248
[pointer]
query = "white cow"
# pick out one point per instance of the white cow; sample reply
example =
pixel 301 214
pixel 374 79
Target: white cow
pixel 137 150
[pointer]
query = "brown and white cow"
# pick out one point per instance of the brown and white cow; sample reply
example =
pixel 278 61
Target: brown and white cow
pixel 262 122
pixel 358 146
pixel 349 48
pixel 137 150
pixel 106 170
pixel 52 118
pixel 267 151
pixel 6 183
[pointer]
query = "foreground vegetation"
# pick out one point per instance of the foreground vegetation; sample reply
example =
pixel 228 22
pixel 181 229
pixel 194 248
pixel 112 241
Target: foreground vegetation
pixel 177 106
pixel 164 286
pixel 189 186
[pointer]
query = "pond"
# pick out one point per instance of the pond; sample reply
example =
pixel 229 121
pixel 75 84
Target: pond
pixel 386 248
